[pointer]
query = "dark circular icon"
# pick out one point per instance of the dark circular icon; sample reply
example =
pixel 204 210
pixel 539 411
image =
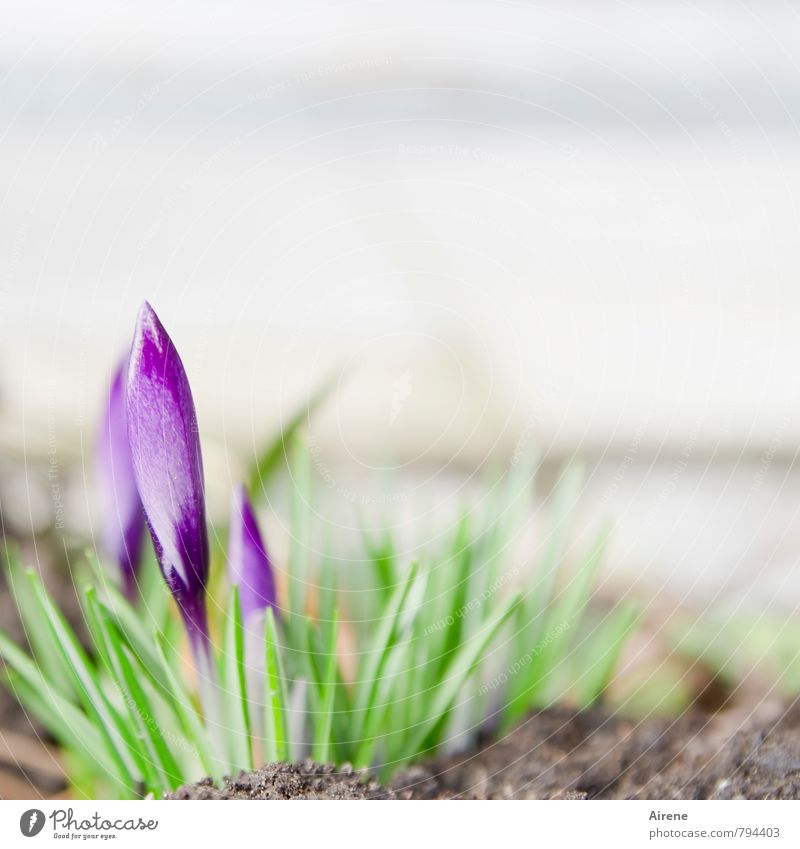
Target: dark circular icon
pixel 31 822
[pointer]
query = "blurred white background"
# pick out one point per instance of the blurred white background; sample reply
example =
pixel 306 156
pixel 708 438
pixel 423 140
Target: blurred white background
pixel 571 224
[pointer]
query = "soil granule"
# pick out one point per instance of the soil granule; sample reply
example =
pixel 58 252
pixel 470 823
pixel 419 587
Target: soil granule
pixel 561 754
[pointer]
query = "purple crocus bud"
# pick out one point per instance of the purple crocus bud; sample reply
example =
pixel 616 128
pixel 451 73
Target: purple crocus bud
pixel 248 563
pixel 123 519
pixel 162 431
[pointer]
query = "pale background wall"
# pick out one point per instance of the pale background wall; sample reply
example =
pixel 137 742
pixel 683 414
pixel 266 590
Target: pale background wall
pixel 575 223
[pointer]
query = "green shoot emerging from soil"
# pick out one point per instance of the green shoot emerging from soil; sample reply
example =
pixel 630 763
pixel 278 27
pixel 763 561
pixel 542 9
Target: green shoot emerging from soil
pixel 437 653
pixel 204 679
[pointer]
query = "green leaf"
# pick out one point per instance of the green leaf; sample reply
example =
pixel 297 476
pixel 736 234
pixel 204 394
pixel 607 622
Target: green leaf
pixel 154 595
pixel 440 700
pixel 161 767
pixel 150 611
pixel 374 658
pixel 388 702
pixel 271 458
pixel 448 585
pixel 563 615
pixel 382 558
pixel 607 643
pixel 40 637
pixel 276 746
pixel 185 711
pixel 133 626
pixel 566 494
pixel 532 623
pixel 137 740
pixel 234 688
pixel 115 732
pixel 300 541
pixel 326 687
pixel 67 722
pixel 87 769
pixel 326 604
pixel 505 515
pixel 315 667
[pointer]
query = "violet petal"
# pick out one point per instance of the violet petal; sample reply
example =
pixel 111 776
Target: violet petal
pixel 122 517
pixel 249 566
pixel 165 448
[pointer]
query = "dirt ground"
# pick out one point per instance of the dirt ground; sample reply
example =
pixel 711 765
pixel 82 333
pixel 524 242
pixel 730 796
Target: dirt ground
pixel 306 780
pixel 560 754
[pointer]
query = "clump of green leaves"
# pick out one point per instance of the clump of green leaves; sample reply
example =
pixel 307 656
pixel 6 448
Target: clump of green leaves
pixel 466 639
pixel 741 645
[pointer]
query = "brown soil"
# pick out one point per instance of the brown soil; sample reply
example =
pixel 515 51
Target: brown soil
pixel 559 754
pixel 290 781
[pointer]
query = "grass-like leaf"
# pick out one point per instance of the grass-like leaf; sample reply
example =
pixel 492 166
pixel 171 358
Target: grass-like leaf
pixel 326 689
pixel 276 453
pixel 186 713
pixel 562 615
pixel 114 731
pixel 140 744
pixel 45 651
pixel 65 720
pixel 608 641
pixel 374 658
pixel 275 740
pixel 439 702
pixel 390 681
pixel 300 542
pixel 236 714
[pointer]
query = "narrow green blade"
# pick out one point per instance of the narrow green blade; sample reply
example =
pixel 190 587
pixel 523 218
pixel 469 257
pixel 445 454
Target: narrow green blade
pixel 276 452
pixel 374 658
pixel 562 616
pixel 142 711
pixel 607 643
pixel 234 689
pixel 133 627
pixel 389 698
pixel 139 744
pixel 113 729
pixel 276 746
pixel 66 721
pixel 326 686
pixel 381 554
pixel 186 712
pixel 441 699
pixel 300 524
pixel 326 604
pixel 45 651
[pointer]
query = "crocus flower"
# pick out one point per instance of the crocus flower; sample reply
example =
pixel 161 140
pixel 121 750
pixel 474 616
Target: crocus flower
pixel 122 519
pixel 165 448
pixel 249 567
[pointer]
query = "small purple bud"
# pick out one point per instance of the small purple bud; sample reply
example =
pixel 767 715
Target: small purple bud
pixel 123 519
pixel 165 447
pixel 249 567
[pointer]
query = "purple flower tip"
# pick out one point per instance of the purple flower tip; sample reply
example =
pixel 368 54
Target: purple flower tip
pixel 165 449
pixel 249 567
pixel 123 519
